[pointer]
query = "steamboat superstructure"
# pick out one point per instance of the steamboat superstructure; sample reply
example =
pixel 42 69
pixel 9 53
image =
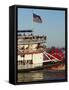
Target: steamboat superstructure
pixel 30 49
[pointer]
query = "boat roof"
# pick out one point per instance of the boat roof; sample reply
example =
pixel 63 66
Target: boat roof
pixel 24 31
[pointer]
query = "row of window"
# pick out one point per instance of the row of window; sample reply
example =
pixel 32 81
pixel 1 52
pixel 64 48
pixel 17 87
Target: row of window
pixel 24 62
pixel 35 37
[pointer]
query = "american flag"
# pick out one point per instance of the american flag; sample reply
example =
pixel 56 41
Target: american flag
pixel 37 18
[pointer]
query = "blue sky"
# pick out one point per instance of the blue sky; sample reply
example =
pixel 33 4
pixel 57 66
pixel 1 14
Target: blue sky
pixel 53 25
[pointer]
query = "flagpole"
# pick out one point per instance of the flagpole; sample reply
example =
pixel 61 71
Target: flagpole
pixel 32 20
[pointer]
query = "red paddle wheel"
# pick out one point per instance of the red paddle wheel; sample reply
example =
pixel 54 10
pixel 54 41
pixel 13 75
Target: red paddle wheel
pixel 58 54
pixel 55 55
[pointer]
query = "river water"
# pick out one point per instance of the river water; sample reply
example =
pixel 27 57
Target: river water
pixel 41 75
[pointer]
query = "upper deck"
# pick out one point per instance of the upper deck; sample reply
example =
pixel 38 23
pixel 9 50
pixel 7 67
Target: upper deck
pixel 26 37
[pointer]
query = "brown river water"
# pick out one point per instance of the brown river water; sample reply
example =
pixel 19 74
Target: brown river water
pixel 41 75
